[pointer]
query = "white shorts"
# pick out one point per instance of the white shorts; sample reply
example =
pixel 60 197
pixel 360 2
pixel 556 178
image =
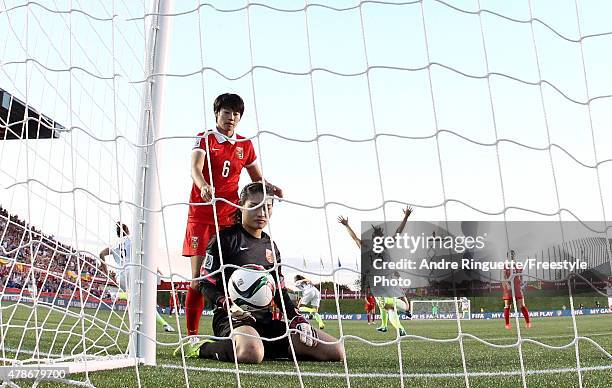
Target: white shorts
pixel 311 298
pixel 401 306
pixel 397 303
pixel 610 302
pixel 123 280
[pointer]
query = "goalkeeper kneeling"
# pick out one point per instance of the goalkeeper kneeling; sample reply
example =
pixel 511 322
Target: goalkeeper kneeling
pixel 252 336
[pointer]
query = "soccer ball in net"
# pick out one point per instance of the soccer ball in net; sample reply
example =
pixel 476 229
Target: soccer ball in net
pixel 251 288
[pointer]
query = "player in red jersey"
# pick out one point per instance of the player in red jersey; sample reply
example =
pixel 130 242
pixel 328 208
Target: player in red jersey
pixel 370 307
pixel 513 269
pixel 216 162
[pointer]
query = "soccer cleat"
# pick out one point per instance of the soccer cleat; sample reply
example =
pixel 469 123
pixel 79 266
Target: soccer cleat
pixel 321 327
pixel 509 326
pixel 191 348
pixel 381 329
pixel 168 328
pixel 402 333
pixel 528 325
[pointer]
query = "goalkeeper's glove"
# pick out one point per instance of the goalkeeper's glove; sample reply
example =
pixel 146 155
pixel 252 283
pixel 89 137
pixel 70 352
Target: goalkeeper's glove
pixel 308 336
pixel 234 311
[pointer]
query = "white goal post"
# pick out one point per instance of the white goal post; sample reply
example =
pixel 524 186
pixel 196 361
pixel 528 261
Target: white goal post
pixel 342 101
pixel 87 158
pixel 441 309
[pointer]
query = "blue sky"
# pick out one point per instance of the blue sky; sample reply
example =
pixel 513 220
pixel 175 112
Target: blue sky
pixel 401 102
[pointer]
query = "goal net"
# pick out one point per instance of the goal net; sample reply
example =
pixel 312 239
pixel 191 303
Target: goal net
pixel 441 309
pixel 72 94
pixel 482 110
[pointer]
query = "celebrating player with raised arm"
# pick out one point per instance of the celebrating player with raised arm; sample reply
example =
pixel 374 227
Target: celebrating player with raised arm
pixel 400 228
pixel 388 306
pixel 225 154
pixel 509 270
pixel 242 244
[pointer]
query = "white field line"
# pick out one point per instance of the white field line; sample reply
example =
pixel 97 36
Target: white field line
pixel 389 375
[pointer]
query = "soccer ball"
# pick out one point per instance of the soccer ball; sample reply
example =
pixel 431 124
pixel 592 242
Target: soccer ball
pixel 251 288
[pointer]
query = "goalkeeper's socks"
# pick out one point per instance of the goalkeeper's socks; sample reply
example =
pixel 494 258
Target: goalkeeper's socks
pixel 218 350
pixel 394 318
pixel 525 313
pixel 507 315
pixel 194 304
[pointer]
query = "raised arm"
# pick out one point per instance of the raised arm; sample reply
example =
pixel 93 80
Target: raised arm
pixel 344 221
pixel 402 225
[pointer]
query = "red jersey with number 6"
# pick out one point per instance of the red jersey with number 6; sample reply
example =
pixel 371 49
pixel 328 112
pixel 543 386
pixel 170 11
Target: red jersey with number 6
pixel 227 157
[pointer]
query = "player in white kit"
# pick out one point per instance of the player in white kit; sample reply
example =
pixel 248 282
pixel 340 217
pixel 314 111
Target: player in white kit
pixel 122 253
pixel 465 307
pixel 311 299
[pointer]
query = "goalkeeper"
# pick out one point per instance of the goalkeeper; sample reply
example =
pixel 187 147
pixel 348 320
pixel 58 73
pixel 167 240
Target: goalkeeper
pixel 434 310
pixel 241 244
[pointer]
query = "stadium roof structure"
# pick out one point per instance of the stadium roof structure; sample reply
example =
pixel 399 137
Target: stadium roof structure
pixel 13 114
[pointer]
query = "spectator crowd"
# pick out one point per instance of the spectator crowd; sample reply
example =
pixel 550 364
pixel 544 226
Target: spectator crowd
pixel 32 260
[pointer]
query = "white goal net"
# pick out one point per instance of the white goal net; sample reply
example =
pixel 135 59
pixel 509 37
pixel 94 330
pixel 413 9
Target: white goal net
pixel 441 309
pixel 463 110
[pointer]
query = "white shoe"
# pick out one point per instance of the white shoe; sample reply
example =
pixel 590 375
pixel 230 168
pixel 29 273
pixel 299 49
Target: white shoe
pixel 193 340
pixel 168 328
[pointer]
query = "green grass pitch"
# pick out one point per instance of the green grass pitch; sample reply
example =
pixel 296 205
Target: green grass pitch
pixel 425 363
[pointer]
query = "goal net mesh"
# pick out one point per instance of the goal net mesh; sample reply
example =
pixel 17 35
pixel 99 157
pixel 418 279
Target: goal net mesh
pixel 440 309
pixel 477 110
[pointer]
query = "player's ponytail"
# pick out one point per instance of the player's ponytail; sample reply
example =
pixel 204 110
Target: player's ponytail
pixel 246 192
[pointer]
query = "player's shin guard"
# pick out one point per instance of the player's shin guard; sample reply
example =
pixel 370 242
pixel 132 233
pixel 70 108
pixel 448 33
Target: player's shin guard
pixel 218 350
pixel 525 313
pixel 194 304
pixel 507 315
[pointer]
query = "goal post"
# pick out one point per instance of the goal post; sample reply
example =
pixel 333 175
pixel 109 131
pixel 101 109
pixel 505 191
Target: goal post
pixel 443 309
pixel 147 193
pixel 78 157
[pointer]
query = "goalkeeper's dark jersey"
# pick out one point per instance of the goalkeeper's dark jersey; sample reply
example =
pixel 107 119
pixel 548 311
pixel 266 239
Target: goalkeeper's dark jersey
pixel 240 248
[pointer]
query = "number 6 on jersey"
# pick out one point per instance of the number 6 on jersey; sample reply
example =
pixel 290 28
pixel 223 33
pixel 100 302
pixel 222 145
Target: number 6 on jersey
pixel 226 169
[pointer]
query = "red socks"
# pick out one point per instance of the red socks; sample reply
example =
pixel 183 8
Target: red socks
pixel 525 313
pixel 194 304
pixel 506 314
